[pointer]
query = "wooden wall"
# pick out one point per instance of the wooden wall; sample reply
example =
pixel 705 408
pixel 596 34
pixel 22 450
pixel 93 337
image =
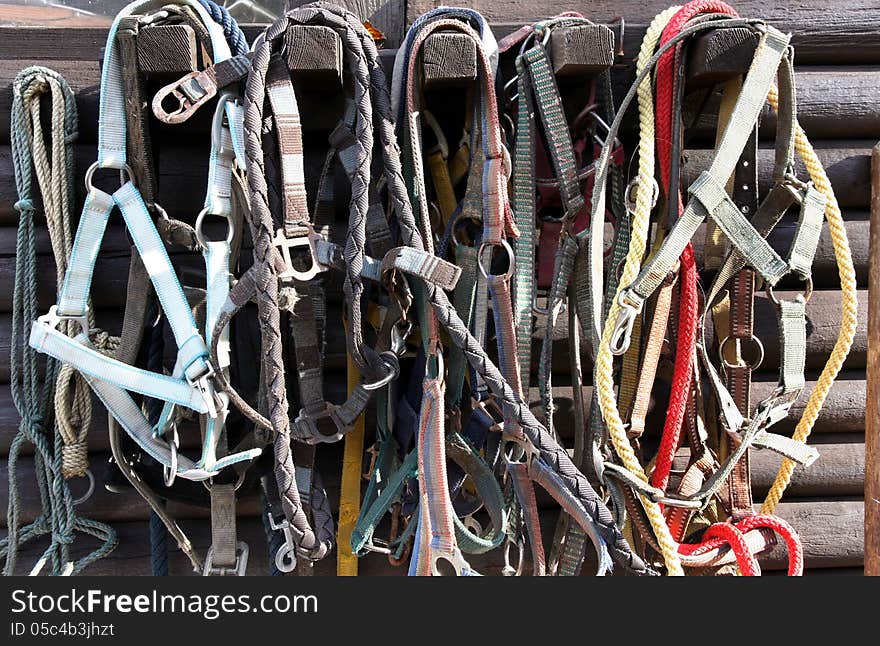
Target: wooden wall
pixel 838 76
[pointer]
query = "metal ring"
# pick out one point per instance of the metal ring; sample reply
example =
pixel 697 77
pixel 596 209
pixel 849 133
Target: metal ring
pixel 504 245
pixel 169 473
pixel 807 294
pixel 88 494
pixel 124 169
pixel 753 366
pixel 631 203
pixel 200 236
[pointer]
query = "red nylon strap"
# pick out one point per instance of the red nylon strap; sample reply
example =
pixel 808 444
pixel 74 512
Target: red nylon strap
pixel 688 302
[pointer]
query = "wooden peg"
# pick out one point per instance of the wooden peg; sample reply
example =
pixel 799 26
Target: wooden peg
pixel 449 59
pixel 581 50
pixel 720 54
pixel 167 49
pixel 314 52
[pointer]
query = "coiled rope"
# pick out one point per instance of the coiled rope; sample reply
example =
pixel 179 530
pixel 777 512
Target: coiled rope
pixel 34 401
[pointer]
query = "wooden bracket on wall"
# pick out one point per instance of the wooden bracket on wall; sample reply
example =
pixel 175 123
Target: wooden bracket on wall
pixel 314 52
pixel 719 55
pixel 449 58
pixel 581 50
pixel 167 49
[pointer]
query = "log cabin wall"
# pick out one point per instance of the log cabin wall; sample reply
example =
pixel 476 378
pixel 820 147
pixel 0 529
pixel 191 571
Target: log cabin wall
pixel 837 56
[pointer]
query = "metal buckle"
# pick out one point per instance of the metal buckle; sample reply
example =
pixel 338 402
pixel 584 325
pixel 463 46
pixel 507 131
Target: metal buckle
pixel 807 294
pixel 285 244
pixel 52 318
pixel 241 559
pixel 455 558
pixel 285 557
pixel 191 91
pixel 309 421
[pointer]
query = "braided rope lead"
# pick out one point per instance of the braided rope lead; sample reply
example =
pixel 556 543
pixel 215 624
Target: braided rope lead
pixel 33 401
pixel 604 359
pixel 849 307
pixel 234 34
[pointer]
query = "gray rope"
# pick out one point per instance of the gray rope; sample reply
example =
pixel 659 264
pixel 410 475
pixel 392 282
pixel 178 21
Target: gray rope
pixel 32 400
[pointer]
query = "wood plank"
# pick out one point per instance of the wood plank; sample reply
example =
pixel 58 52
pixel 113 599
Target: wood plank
pixel 449 59
pixel 872 412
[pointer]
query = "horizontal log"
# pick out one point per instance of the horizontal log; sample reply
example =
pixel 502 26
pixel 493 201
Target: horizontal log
pixel 182 174
pixel 847 163
pixel 817 36
pixel 320 108
pixel 833 102
pixel 823 324
pixel 839 471
pixel 825 273
pixel 831 533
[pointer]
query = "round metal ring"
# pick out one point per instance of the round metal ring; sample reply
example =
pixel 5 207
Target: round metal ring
pixel 807 293
pixel 200 235
pixel 504 245
pixel 125 169
pixel 89 491
pixel 758 345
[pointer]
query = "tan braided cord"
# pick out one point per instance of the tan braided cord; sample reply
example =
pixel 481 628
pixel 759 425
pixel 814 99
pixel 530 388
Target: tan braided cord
pixel 604 360
pixel 848 314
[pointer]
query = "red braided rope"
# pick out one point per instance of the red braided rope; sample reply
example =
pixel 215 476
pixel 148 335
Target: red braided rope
pixel 688 302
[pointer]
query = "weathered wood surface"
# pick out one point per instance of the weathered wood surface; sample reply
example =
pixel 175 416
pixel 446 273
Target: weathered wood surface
pixel 388 16
pixel 582 50
pixel 839 471
pixel 167 49
pixel 314 53
pixel 872 412
pixel 449 59
pixel 720 54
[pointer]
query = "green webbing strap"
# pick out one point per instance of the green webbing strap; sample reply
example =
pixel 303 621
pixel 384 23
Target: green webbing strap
pixel 769 54
pixel 524 214
pixel 460 452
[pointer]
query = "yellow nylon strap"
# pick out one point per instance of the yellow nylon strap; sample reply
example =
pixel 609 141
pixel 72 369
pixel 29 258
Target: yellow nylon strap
pixel 350 495
pixel 442 186
pixel 604 359
pixel 849 307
